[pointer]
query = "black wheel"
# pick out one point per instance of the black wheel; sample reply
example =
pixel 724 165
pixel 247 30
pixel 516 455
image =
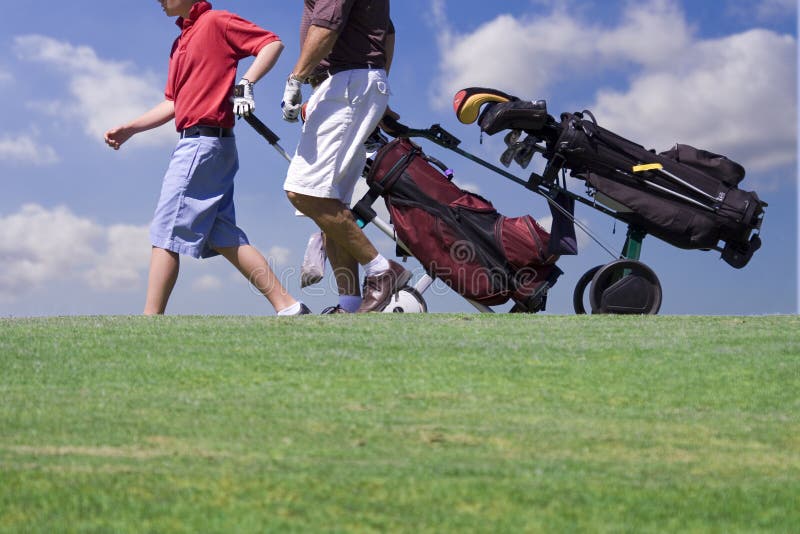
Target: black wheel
pixel 625 287
pixel 580 287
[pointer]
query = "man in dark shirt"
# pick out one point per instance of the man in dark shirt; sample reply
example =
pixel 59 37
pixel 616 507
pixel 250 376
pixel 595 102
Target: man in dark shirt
pixel 347 45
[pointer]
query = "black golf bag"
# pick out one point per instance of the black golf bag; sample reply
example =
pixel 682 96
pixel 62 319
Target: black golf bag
pixel 685 196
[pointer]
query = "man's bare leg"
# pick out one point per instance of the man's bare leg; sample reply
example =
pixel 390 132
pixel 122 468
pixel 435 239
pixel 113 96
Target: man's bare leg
pixel 252 264
pixel 383 277
pixel 345 269
pixel 336 220
pixel 164 267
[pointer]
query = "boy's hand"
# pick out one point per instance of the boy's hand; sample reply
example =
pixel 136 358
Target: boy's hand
pixel 292 99
pixel 243 101
pixel 116 136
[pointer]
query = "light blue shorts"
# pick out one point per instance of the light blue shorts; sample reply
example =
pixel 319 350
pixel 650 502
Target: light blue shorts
pixel 195 212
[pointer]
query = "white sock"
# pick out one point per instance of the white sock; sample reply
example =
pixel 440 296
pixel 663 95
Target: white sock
pixel 294 309
pixel 349 303
pixel 377 266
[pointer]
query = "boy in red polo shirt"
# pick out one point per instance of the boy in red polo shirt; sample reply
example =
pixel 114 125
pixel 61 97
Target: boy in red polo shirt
pixel 195 213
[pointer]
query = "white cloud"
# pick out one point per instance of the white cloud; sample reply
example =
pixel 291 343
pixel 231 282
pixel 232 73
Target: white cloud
pixel 528 55
pixel 104 93
pixel 735 95
pixel 471 187
pixel 123 261
pixel 26 149
pixel 5 76
pixel 279 256
pixel 40 245
pixel 207 283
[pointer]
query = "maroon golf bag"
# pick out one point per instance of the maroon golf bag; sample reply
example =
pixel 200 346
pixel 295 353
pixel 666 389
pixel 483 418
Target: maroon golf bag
pixel 458 236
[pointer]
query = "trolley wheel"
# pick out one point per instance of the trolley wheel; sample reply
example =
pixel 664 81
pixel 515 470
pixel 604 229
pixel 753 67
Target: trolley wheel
pixel 407 300
pixel 625 287
pixel 580 287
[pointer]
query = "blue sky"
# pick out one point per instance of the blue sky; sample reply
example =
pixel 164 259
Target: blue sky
pixel 720 75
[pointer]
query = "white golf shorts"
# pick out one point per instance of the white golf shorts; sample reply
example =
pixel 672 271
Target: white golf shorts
pixel 341 114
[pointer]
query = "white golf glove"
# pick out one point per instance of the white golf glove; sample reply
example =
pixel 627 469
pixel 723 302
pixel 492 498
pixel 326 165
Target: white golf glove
pixel 292 99
pixel 243 101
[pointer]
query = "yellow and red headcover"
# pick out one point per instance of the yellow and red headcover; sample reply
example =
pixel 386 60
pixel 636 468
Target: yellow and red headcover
pixel 467 102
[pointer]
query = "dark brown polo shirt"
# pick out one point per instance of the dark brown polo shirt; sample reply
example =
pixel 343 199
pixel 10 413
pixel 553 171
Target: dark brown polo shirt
pixel 362 25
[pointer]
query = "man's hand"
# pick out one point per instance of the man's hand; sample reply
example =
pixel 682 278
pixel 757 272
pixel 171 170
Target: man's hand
pixel 243 101
pixel 292 99
pixel 116 136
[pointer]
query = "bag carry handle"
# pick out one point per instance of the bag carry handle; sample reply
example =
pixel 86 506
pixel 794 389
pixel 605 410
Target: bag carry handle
pixel 448 172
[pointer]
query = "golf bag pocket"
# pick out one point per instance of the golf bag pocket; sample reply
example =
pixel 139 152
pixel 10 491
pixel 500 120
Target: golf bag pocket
pixel 525 243
pixel 723 169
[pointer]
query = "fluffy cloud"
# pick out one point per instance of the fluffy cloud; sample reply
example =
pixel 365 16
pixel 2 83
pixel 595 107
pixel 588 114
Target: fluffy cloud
pixel 40 245
pixel 207 282
pixel 279 256
pixel 26 149
pixel 103 93
pixel 120 262
pixel 735 95
pixel 732 95
pixel 37 245
pixel 529 55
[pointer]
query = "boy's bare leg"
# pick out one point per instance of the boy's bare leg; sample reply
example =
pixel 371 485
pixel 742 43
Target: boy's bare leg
pixel 164 267
pixel 252 264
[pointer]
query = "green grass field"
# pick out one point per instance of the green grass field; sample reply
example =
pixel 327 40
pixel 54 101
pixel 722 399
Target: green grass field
pixel 434 423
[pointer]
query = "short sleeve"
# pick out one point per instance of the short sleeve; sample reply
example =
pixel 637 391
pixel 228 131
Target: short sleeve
pixel 245 38
pixel 331 14
pixel 169 92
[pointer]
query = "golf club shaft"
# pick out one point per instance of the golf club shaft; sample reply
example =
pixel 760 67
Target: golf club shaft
pixel 271 137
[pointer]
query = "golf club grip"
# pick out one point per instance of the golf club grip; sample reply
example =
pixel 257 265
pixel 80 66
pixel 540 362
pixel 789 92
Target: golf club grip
pixel 262 129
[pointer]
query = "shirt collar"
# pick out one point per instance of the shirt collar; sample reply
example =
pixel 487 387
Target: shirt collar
pixel 194 13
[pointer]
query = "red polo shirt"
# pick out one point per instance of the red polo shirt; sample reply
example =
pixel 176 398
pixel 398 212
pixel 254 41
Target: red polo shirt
pixel 203 62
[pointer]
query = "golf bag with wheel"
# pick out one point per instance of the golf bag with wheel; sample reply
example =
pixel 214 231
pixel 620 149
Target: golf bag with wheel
pixel 685 196
pixel 458 236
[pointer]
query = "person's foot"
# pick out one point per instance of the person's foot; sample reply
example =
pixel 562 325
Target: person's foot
pixel 330 310
pixel 298 308
pixel 379 289
pixel 304 310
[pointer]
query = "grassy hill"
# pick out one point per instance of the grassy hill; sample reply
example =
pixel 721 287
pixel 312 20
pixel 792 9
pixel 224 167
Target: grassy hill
pixel 415 423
